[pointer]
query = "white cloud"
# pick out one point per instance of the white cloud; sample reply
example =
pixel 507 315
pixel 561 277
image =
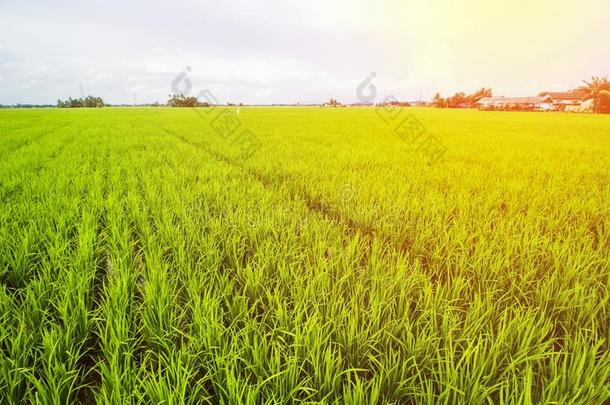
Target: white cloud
pixel 277 51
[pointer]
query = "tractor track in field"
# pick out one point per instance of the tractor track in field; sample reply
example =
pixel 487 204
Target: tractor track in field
pixel 351 227
pixel 104 273
pixel 151 217
pixel 180 290
pixel 89 373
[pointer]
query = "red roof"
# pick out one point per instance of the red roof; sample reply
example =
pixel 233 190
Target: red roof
pixel 562 96
pixel 514 100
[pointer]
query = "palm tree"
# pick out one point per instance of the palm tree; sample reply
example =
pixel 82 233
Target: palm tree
pixel 482 93
pixel 598 89
pixel 438 101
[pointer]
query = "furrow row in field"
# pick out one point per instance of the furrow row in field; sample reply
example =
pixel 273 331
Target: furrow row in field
pixel 17 172
pixel 37 215
pixel 50 309
pixel 15 143
pixel 14 129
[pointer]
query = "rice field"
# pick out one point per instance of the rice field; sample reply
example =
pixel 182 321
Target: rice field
pixel 148 255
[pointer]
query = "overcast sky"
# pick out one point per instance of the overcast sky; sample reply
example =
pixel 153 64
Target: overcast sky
pixel 282 51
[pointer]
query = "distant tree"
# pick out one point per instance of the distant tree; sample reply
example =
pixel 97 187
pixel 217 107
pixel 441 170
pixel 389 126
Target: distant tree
pixel 438 101
pixel 89 101
pixel 597 89
pixel 180 100
pixel 478 95
pixel 461 99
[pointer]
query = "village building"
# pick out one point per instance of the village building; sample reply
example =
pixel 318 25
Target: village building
pixel 545 101
pixel 564 101
pixel 516 103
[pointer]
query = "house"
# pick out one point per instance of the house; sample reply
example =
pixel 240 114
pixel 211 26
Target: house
pixel 586 106
pixel 564 101
pixel 543 103
pixel 489 103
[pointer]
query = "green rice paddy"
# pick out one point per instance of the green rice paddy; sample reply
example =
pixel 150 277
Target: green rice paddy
pixel 313 255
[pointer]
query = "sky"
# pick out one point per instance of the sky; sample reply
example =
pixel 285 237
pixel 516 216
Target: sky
pixel 289 51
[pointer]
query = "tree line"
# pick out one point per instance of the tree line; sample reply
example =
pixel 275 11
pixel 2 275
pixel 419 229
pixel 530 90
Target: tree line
pixel 19 105
pixel 89 101
pixel 461 99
